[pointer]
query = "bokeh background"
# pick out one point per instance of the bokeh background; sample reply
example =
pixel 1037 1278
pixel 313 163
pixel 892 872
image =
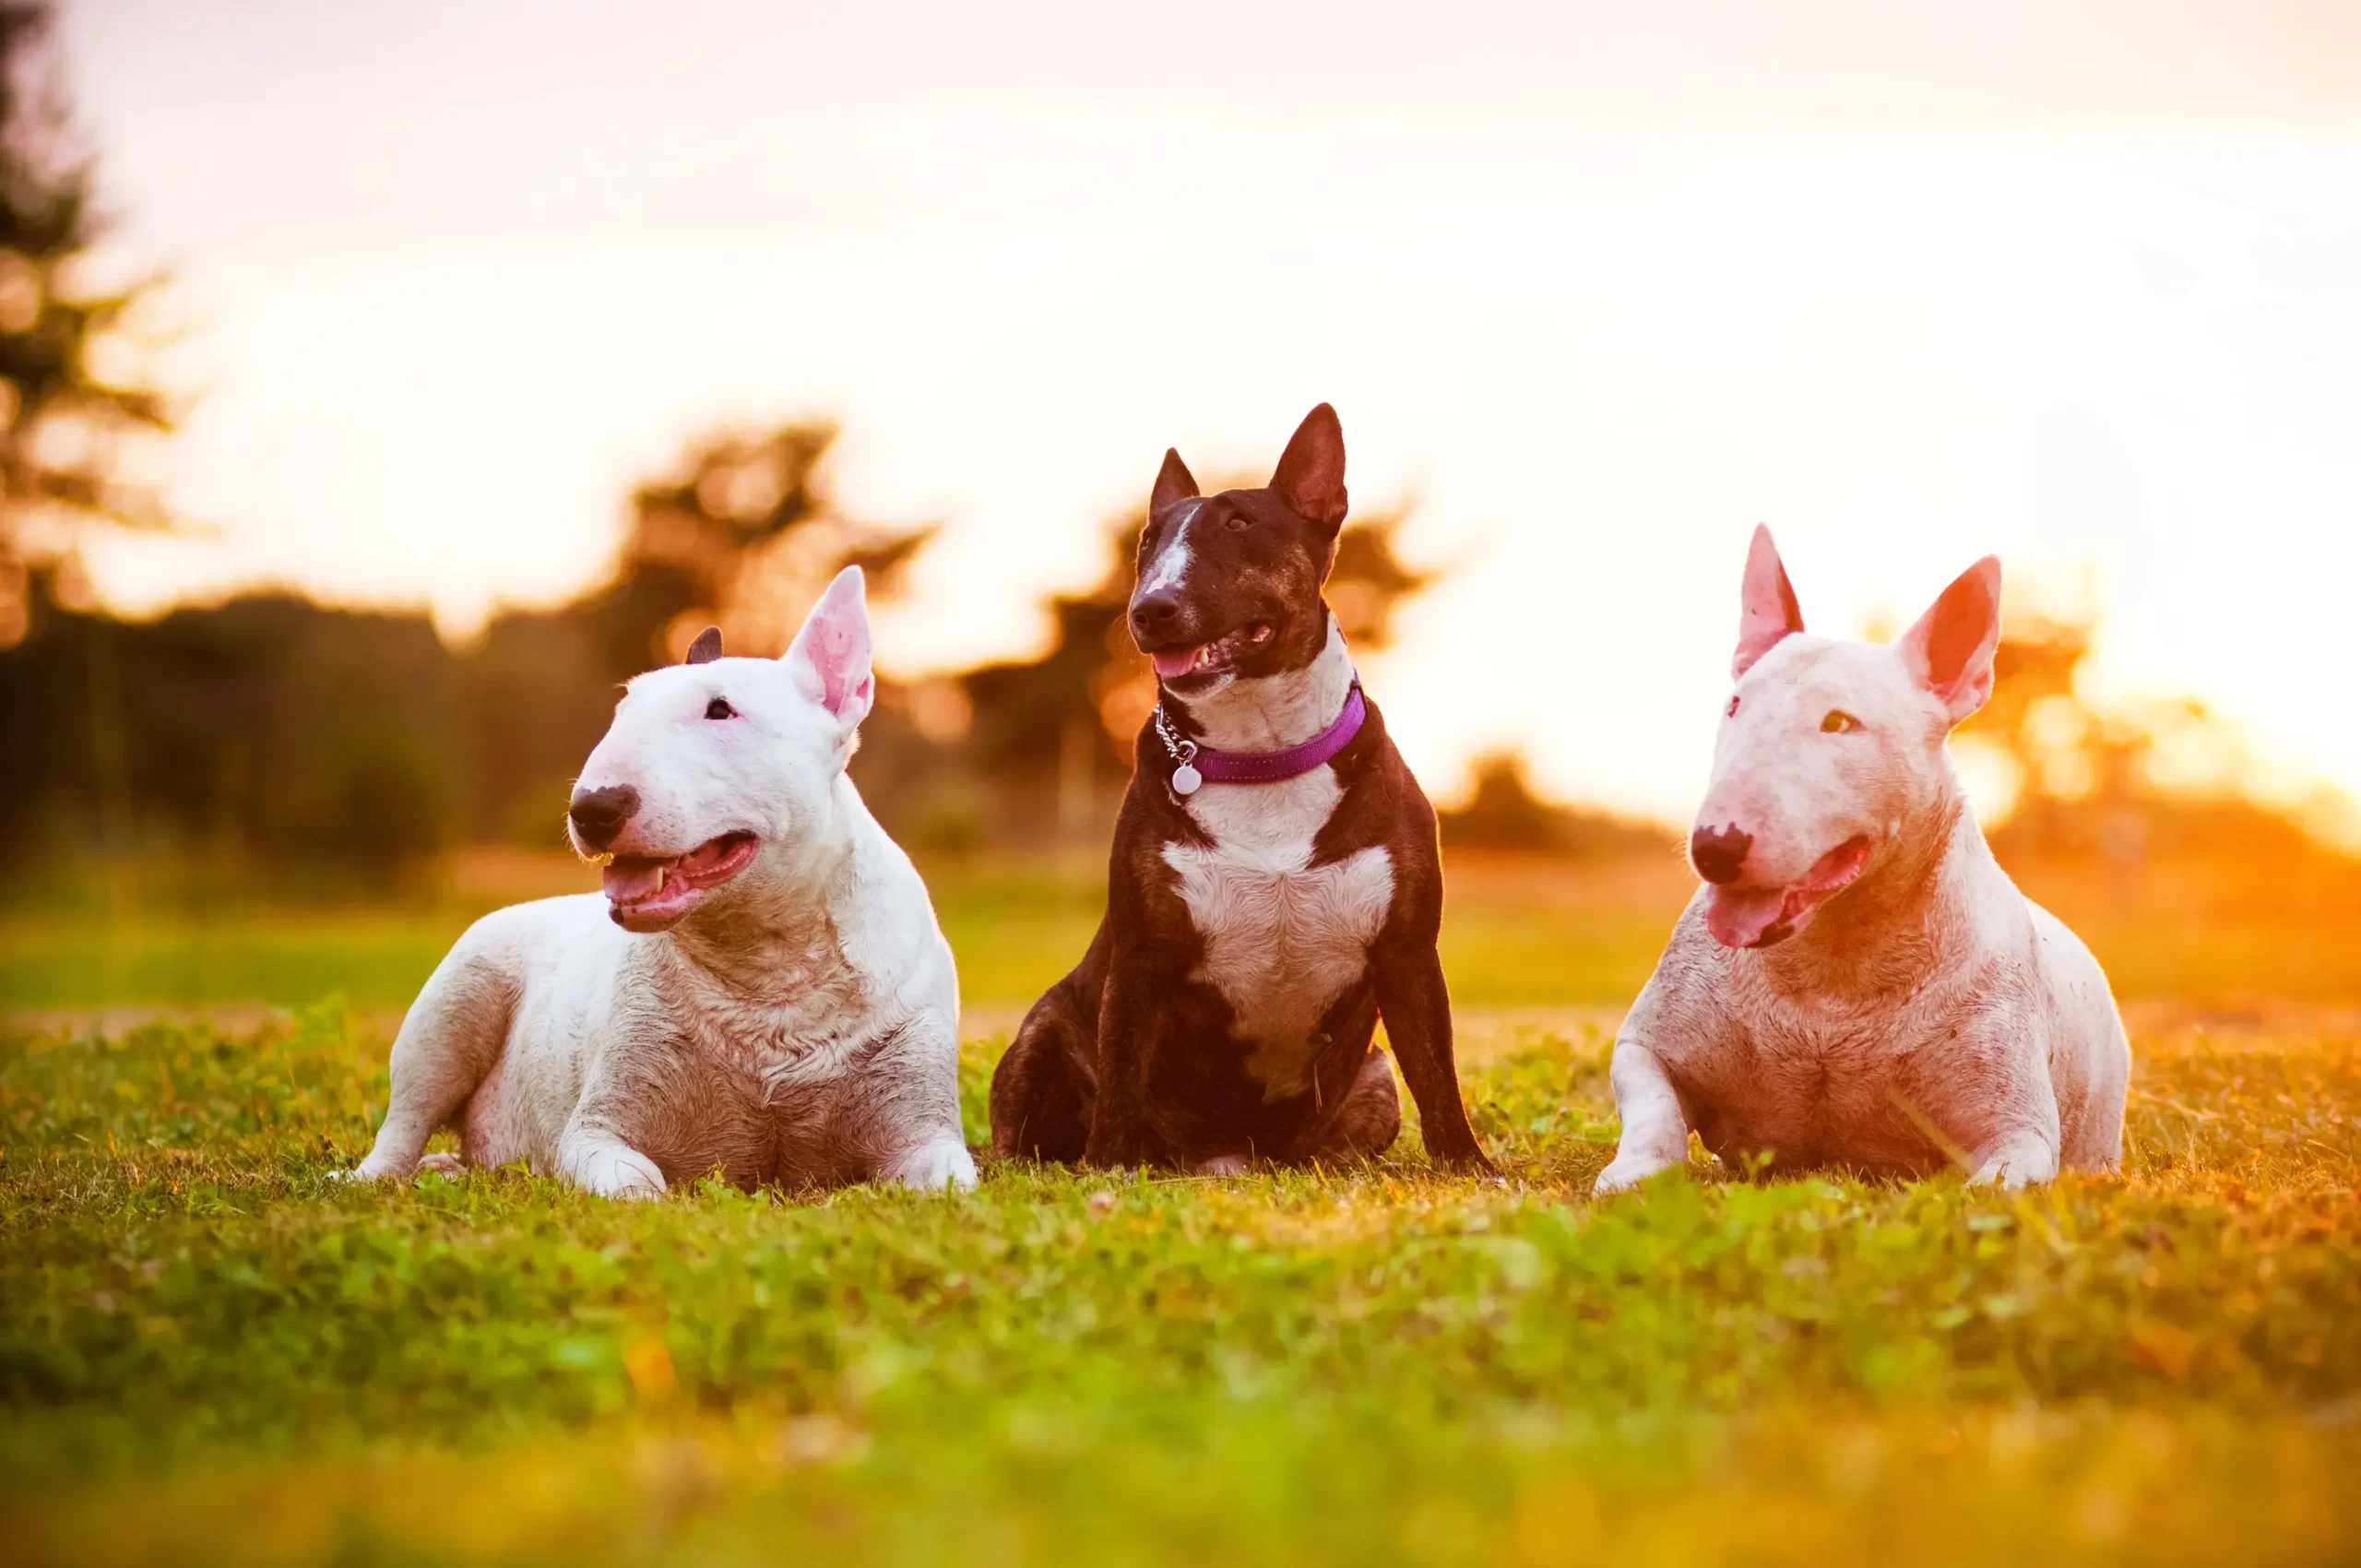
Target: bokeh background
pixel 384 385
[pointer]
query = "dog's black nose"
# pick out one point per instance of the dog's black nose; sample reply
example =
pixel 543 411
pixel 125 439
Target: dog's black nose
pixel 1719 853
pixel 599 815
pixel 1156 617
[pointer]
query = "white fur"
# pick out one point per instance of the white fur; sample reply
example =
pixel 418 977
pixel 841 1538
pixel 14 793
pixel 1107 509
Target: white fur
pixel 1283 939
pixel 1170 567
pixel 1928 1003
pixel 800 1025
pixel 1270 713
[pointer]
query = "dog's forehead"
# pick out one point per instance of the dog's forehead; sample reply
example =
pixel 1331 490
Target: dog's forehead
pixel 1263 506
pixel 1178 512
pixel 1193 546
pixel 744 679
pixel 1260 506
pixel 1806 670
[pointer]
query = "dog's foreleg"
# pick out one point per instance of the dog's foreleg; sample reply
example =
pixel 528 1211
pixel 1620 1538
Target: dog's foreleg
pixel 449 1040
pixel 601 1163
pixel 1655 1131
pixel 1993 1101
pixel 1129 1026
pixel 931 1167
pixel 905 1108
pixel 2017 1157
pixel 1415 1006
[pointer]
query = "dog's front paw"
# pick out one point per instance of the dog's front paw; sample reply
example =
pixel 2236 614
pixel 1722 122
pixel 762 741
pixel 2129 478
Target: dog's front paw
pixel 2019 1161
pixel 371 1170
pixel 619 1171
pixel 2009 1173
pixel 1113 1152
pixel 932 1166
pixel 1626 1171
pixel 1468 1162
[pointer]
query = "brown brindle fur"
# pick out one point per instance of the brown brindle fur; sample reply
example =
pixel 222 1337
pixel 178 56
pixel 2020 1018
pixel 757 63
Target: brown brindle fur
pixel 1135 1057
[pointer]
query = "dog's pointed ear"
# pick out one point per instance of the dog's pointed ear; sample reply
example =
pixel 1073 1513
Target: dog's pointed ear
pixel 1173 482
pixel 1310 475
pixel 1767 610
pixel 1950 650
pixel 829 659
pixel 706 649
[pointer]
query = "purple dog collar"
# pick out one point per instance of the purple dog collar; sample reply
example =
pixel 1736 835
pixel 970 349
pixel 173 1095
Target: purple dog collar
pixel 1198 766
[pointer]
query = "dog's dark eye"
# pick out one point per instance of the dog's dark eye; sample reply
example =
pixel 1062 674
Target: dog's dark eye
pixel 1838 722
pixel 1238 522
pixel 718 708
pixel 1731 711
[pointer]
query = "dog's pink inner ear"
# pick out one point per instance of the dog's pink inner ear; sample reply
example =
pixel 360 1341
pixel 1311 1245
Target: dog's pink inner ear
pixel 831 656
pixel 1767 607
pixel 841 657
pixel 1310 475
pixel 1951 649
pixel 1960 616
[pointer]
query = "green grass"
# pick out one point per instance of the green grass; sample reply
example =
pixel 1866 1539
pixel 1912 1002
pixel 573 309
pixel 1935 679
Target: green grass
pixel 1011 925
pixel 378 958
pixel 1518 936
pixel 209 1352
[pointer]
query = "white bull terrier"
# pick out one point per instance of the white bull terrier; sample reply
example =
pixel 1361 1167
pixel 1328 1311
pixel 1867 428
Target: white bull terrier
pixel 761 991
pixel 1858 983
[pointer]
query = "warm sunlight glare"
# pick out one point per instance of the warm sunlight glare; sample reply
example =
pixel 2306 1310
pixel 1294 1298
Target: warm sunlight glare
pixel 2116 353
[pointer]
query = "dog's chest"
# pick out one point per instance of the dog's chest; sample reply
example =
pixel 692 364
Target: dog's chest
pixel 1813 1090
pixel 1283 938
pixel 751 1096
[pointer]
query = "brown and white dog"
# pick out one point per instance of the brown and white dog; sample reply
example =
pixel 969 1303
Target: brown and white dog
pixel 1274 886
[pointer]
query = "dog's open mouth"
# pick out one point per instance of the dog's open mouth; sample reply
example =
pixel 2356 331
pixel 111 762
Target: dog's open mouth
pixel 1740 916
pixel 1194 662
pixel 650 893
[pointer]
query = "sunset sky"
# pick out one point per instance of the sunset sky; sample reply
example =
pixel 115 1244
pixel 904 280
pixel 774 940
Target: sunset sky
pixel 1600 286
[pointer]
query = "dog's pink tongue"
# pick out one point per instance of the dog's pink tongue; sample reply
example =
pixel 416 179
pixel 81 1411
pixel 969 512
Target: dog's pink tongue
pixel 1174 661
pixel 629 878
pixel 1739 916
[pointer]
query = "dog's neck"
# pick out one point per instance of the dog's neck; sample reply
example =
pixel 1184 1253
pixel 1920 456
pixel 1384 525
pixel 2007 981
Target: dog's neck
pixel 1271 713
pixel 1899 923
pixel 778 943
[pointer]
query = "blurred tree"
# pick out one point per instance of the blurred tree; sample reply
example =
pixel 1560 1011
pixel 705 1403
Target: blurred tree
pixel 740 533
pixel 374 802
pixel 1504 813
pixel 63 415
pixel 358 743
pixel 271 725
pixel 2123 780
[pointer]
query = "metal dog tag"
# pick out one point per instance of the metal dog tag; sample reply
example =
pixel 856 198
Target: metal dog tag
pixel 1185 779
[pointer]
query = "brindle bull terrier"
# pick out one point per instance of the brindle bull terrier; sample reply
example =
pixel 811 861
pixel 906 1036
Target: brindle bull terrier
pixel 1274 887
